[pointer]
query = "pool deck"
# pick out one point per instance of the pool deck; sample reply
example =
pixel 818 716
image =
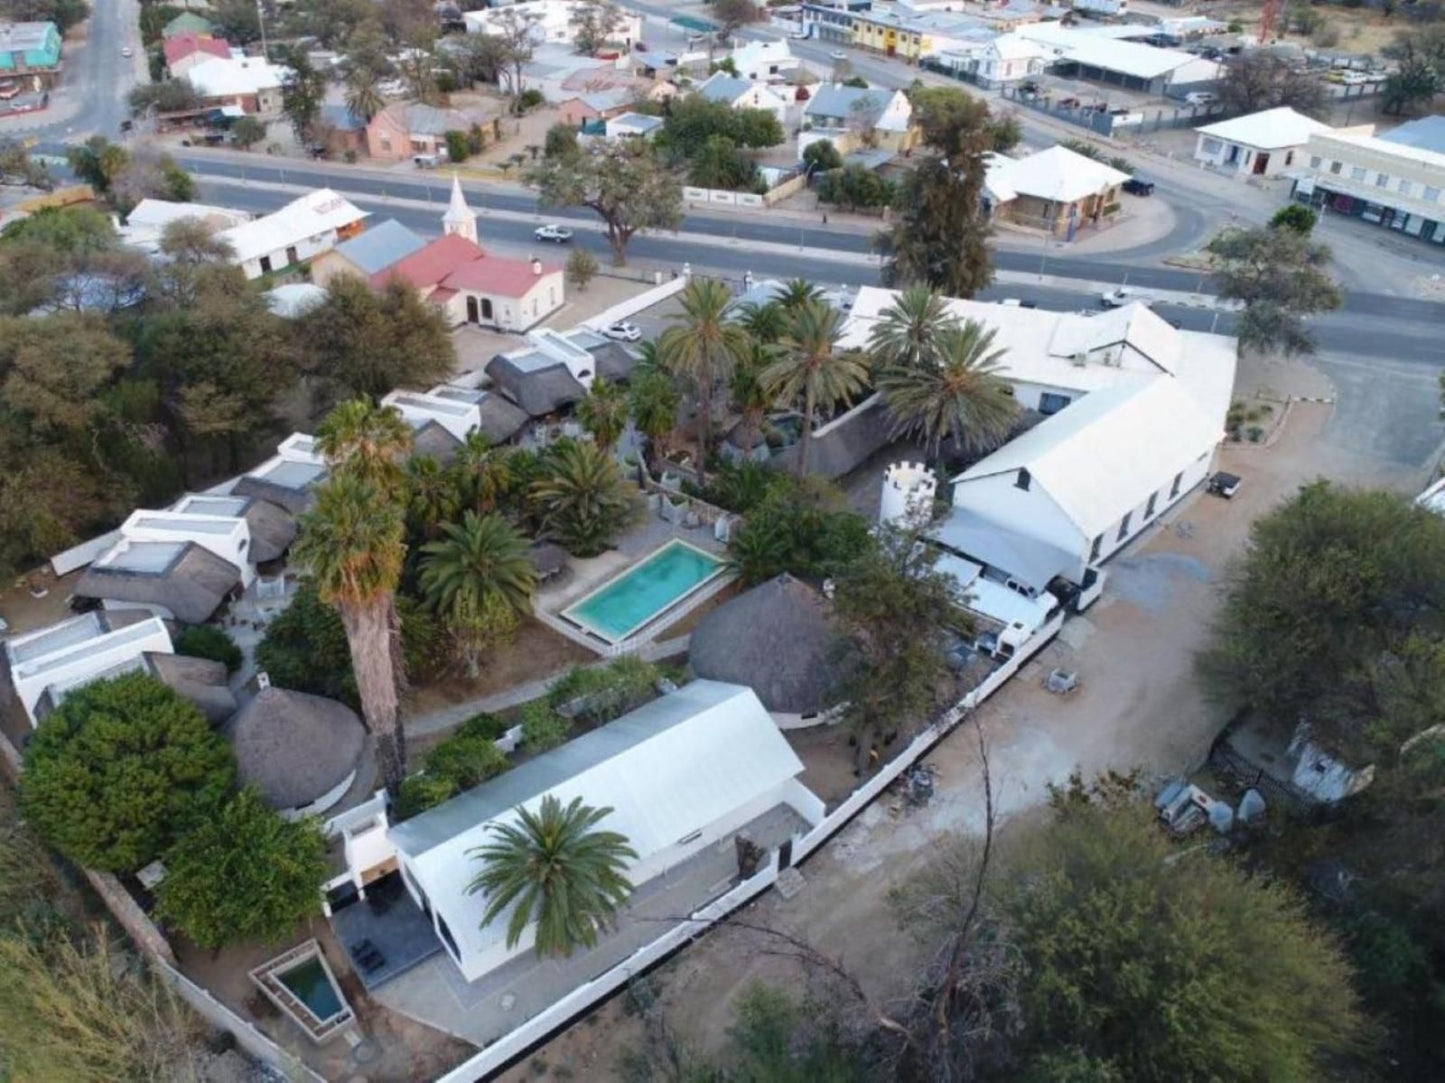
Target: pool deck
pixel 587 575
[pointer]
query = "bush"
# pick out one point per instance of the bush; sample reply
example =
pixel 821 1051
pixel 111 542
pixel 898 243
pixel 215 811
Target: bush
pixel 561 141
pixel 581 267
pixel 208 641
pixel 457 149
pixel 822 155
pixel 120 769
pixel 599 694
pixel 530 99
pixel 305 648
pixel 245 873
pixel 543 727
pixel 1111 208
pixel 1295 216
pixel 422 792
pixel 246 132
pixel 467 759
pixel 488 726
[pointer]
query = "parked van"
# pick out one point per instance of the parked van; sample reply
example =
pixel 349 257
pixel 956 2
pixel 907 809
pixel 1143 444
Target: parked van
pixel 426 161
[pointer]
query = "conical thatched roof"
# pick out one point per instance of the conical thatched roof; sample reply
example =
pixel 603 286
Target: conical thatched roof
pixel 293 746
pixel 780 640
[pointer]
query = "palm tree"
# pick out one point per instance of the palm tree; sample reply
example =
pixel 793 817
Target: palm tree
pixel 478 574
pixel 366 442
pixel 483 473
pixel 703 346
pixel 558 870
pixel 962 397
pixel 765 322
pixel 796 293
pixel 810 367
pixel 750 396
pixel 582 497
pixel 431 494
pixel 352 543
pixel 907 332
pixel 603 413
pixel 653 399
pixel 363 93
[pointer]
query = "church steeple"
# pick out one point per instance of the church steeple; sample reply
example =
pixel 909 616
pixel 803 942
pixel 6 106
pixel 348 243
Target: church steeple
pixel 459 218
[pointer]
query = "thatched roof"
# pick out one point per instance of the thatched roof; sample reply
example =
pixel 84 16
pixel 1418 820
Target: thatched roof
pixel 273 529
pixel 191 587
pixel 431 438
pixel 199 680
pixel 615 361
pixel 538 391
pixel 295 500
pixel 295 747
pixel 501 420
pixel 780 640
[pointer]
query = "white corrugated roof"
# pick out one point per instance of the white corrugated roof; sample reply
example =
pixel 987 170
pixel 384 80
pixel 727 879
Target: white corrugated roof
pixel 1102 456
pixel 1100 50
pixel 159 213
pixel 1271 129
pixel 220 77
pixel 666 770
pixel 314 213
pixel 1057 174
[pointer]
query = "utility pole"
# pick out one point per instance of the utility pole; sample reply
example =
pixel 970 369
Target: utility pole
pixel 261 18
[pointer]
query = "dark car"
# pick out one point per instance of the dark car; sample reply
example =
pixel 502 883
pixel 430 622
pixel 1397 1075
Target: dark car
pixel 1137 186
pixel 1225 485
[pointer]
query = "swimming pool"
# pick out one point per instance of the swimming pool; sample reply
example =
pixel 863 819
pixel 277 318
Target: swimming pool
pixel 301 984
pixel 644 591
pixel 310 984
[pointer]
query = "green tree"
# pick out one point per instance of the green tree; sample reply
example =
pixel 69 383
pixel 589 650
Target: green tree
pixel 802 526
pixel 821 155
pixel 702 347
pixel 479 577
pixel 603 413
pixel 352 543
pixel 1281 278
pixel 1415 81
pixel 247 131
pixel 484 473
pixel 305 648
pixel 554 867
pixel 366 442
pixel 751 396
pixel 626 185
pixel 719 164
pixel 172 96
pixel 363 97
pixel 582 497
pixel 906 334
pixel 55 370
pixel 581 267
pixel 960 396
pixel 121 768
pixel 810 367
pixel 1295 216
pixel 939 237
pixel 244 873
pixel 97 162
pixel 561 141
pixel 855 187
pixel 433 495
pixel 303 92
pixel 211 642
pixel 593 25
pixel 68 230
pixel 653 399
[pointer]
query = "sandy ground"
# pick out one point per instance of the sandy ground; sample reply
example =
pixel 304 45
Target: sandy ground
pixel 1139 705
pixel 536 651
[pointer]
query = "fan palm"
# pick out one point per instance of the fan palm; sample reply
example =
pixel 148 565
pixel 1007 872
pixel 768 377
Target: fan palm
pixel 432 496
pixel 653 399
pixel 582 497
pixel 352 543
pixel 703 346
pixel 363 94
pixel 907 331
pixel 478 573
pixel 603 413
pixel 962 397
pixel 553 867
pixel 366 442
pixel 810 367
pixel 483 473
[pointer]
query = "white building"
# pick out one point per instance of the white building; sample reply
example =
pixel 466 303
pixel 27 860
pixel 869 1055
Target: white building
pixel 46 665
pixel 1383 181
pixel 633 126
pixel 147 222
pixel 303 228
pixel 248 82
pixel 1101 54
pixel 680 774
pixel 1261 144
pixel 997 61
pixel 289 477
pixel 550 21
pixel 764 61
pixel 738 93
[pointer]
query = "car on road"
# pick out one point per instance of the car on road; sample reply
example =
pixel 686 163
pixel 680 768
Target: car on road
pixel 838 54
pixel 553 232
pixel 798 35
pixel 1200 97
pixel 1118 298
pixel 623 331
pixel 127 52
pixel 1138 186
pixel 9 88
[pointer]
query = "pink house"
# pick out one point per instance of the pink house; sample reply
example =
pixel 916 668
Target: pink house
pixel 185 51
pixel 406 128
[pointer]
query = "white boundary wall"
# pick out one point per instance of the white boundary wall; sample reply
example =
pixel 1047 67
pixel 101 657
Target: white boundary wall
pixel 79 556
pixel 634 305
pixel 557 1014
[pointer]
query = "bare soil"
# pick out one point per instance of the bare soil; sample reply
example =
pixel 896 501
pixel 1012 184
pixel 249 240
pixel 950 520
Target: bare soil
pixel 536 652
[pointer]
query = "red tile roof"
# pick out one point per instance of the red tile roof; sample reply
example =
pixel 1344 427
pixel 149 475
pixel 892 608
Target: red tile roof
pixel 498 276
pixel 428 266
pixel 183 45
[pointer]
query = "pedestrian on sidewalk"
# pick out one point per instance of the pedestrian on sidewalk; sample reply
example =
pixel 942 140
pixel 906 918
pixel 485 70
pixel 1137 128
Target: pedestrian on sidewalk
pixel 825 218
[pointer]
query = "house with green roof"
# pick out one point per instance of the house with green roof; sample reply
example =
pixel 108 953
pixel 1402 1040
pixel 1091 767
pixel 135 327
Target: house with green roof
pixel 29 54
pixel 187 22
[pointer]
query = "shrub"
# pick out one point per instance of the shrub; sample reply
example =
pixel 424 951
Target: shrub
pixel 467 759
pixel 208 641
pixel 543 727
pixel 530 99
pixel 305 648
pixel 1295 216
pixel 1111 208
pixel 421 792
pixel 599 694
pixel 488 726
pixel 581 267
pixel 120 769
pixel 457 149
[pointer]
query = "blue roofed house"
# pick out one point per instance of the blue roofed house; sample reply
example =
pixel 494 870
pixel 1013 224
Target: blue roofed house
pixel 738 93
pixel 853 116
pixel 29 55
pixel 367 253
pixel 343 131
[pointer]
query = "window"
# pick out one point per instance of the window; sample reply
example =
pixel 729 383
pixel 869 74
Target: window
pixel 1357 173
pixel 447 939
pixel 1051 402
pixel 1432 195
pixel 1316 161
pixel 1211 147
pixel 1289 158
pixel 1023 481
pixel 1149 507
pixel 1405 186
pixel 1335 167
pixel 1178 481
pixel 1124 525
pixel 1382 180
pixel 1094 549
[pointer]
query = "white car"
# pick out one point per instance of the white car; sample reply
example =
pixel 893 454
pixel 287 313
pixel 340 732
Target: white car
pixel 838 54
pixel 1117 298
pixel 554 233
pixel 1200 97
pixel 127 52
pixel 623 331
pixel 392 88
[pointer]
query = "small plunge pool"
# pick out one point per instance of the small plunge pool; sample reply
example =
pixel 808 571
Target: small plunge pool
pixel 643 592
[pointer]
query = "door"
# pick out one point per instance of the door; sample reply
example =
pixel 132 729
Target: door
pixel 291 255
pixel 1233 156
pixel 487 309
pixel 785 855
pixel 1261 163
pixel 471 310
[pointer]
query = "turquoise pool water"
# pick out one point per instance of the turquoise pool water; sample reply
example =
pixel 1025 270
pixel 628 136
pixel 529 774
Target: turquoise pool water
pixel 643 591
pixel 310 984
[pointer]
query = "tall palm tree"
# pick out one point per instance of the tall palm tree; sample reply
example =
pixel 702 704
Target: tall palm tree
pixel 582 497
pixel 367 442
pixel 907 331
pixel 603 413
pixel 432 494
pixel 478 573
pixel 653 399
pixel 483 473
pixel 765 322
pixel 352 543
pixel 796 293
pixel 810 367
pixel 750 396
pixel 962 397
pixel 555 868
pixel 363 93
pixel 703 347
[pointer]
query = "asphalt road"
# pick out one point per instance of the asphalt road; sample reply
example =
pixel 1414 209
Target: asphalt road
pixel 92 94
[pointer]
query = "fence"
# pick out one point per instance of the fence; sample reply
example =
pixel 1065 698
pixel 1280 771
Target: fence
pixel 1107 124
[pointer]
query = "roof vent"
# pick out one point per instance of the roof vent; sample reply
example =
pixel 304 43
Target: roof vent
pixel 1080 359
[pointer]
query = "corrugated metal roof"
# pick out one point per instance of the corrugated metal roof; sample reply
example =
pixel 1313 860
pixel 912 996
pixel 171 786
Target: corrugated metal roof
pixel 380 246
pixel 1270 129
